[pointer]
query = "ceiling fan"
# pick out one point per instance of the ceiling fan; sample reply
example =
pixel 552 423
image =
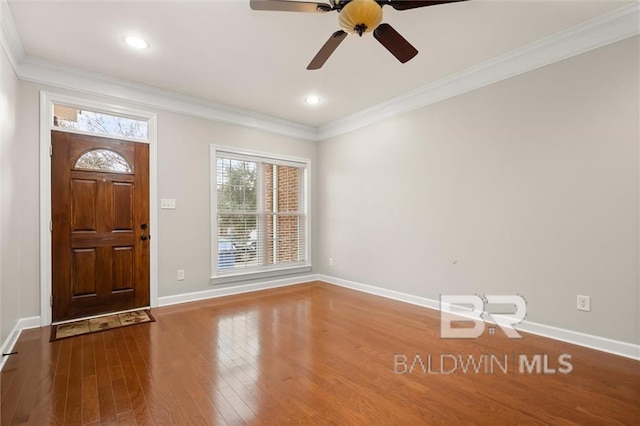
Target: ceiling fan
pixel 356 17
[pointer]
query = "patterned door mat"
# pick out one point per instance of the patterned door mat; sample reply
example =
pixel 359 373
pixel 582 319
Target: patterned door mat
pixel 93 325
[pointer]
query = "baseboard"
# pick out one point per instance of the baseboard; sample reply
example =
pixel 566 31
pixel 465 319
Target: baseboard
pixel 379 291
pixel 603 344
pixel 233 290
pixel 615 347
pixel 10 341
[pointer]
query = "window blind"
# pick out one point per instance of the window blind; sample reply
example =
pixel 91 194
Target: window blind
pixel 261 218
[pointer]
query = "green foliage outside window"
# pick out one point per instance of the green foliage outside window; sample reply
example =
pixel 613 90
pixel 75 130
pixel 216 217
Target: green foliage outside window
pixel 237 198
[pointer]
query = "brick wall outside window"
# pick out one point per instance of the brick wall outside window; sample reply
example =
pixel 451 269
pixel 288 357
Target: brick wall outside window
pixel 260 214
pixel 282 185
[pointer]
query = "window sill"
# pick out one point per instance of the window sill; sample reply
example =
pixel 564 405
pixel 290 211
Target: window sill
pixel 238 277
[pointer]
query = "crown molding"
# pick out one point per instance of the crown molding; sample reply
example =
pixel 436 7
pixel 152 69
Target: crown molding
pixel 9 38
pixel 56 75
pixel 606 29
pixel 609 28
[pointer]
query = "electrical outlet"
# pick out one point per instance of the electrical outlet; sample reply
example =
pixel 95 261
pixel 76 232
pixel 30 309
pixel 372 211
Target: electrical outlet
pixel 584 303
pixel 331 261
pixel 180 274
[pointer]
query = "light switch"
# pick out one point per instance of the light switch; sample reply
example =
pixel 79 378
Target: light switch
pixel 168 203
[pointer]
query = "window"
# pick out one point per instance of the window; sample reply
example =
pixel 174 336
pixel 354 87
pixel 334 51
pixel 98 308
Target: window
pixel 103 160
pixel 98 122
pixel 260 223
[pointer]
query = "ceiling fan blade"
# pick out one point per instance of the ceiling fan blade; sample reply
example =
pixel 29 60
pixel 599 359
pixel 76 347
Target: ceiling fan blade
pixel 394 42
pixel 413 4
pixel 289 6
pixel 325 51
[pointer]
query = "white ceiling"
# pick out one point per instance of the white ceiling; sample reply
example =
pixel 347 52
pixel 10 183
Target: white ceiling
pixel 222 51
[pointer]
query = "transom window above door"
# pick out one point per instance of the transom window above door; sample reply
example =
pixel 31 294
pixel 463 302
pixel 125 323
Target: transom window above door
pixel 84 120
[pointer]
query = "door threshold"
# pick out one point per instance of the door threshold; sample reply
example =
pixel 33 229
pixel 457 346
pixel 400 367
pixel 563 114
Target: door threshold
pixel 100 315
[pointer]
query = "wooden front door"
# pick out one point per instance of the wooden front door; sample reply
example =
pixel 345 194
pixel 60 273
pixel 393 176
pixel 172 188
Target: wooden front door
pixel 100 211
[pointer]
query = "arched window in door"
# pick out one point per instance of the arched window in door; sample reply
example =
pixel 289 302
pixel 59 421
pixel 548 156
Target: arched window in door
pixel 103 160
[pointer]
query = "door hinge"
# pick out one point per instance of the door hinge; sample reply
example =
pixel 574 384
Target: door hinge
pixel 51 301
pixel 50 226
pixel 50 150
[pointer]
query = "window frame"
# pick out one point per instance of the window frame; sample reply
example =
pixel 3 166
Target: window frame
pixel 305 187
pixel 100 109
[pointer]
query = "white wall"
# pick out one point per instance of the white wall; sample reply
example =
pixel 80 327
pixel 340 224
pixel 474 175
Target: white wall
pixel 183 174
pixel 527 186
pixel 10 200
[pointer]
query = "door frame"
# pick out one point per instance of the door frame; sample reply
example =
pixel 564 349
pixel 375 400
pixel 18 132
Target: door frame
pixel 47 99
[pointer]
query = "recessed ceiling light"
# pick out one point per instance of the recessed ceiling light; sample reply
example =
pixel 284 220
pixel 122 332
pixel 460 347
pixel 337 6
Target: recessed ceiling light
pixel 137 42
pixel 312 100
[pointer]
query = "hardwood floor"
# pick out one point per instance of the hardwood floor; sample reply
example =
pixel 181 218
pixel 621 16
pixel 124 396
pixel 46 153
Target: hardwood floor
pixel 308 354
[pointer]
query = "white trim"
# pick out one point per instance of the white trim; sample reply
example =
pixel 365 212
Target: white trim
pixel 45 210
pixel 616 347
pixel 100 135
pixel 258 274
pixel 609 28
pixel 12 338
pixel 262 155
pixel 277 159
pixel 47 99
pixel 154 204
pixel 379 291
pixel 66 77
pixel 9 37
pixel 233 290
pixel 28 323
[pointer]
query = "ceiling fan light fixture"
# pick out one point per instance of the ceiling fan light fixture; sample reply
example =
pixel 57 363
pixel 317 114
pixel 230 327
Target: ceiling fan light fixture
pixel 355 17
pixel 360 16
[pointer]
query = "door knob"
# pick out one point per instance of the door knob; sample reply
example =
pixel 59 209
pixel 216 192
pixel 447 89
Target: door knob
pixel 144 237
